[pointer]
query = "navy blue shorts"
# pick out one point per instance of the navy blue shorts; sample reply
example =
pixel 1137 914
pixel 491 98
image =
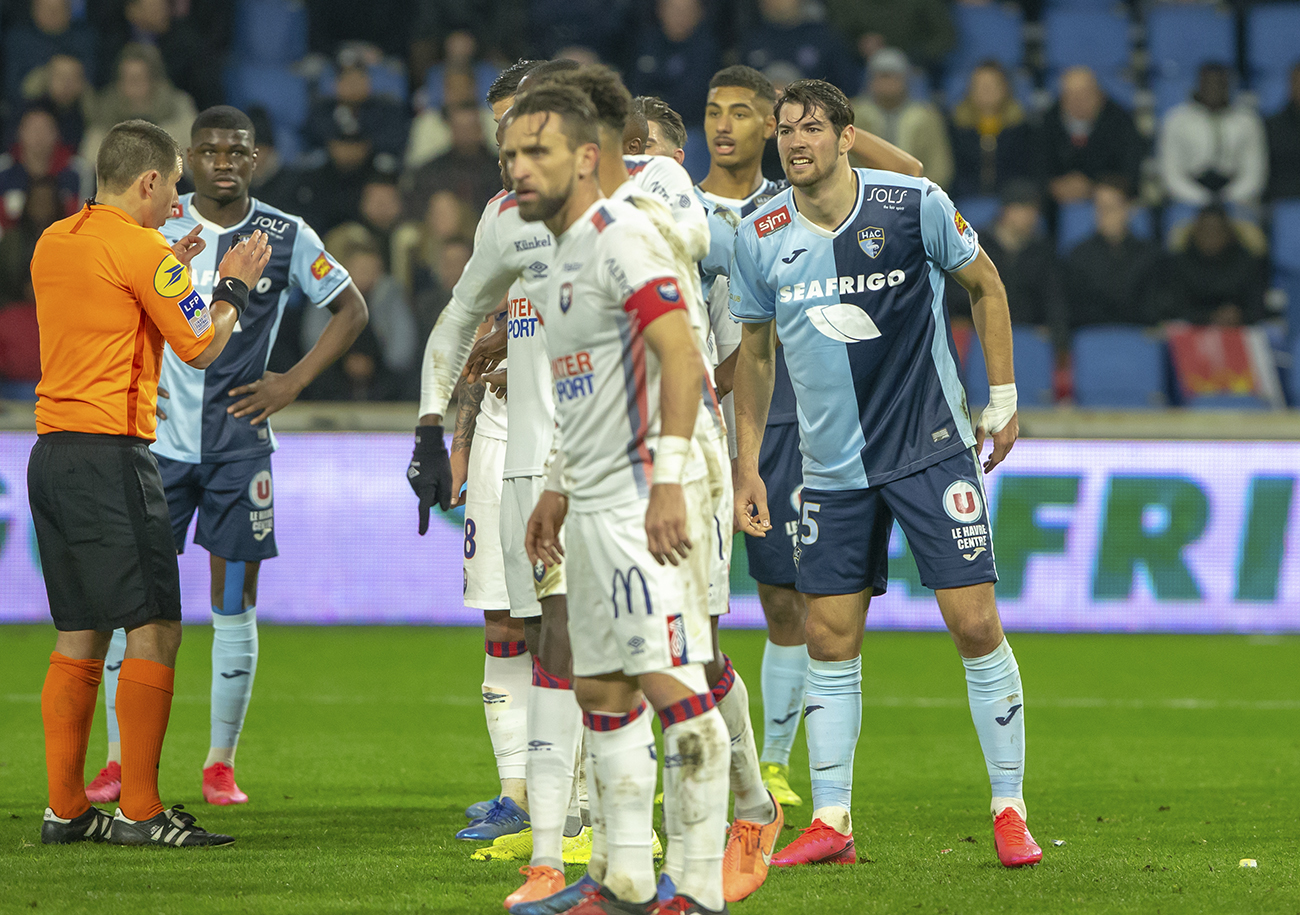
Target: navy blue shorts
pixel 844 538
pixel 771 558
pixel 235 502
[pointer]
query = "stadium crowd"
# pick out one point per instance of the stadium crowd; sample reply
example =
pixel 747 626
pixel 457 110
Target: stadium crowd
pixel 1126 165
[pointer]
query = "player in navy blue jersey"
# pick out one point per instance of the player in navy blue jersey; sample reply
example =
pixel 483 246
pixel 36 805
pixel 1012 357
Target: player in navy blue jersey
pixel 848 267
pixel 214 442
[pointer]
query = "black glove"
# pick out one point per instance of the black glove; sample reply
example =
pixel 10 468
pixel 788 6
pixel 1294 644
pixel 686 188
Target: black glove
pixel 430 472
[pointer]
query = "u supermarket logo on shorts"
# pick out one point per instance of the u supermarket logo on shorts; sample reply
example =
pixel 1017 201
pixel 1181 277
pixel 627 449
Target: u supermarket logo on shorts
pixel 169 279
pixel 772 222
pixel 259 489
pixel 962 502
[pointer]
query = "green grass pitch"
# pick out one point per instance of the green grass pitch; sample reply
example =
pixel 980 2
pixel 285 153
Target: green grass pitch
pixel 1158 761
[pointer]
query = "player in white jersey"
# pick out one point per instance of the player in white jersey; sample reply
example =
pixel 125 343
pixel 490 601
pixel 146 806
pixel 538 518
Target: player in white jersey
pixel 214 442
pixel 629 373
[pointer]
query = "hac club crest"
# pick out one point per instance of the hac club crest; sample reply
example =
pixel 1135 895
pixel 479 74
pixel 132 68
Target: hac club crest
pixel 566 297
pixel 871 240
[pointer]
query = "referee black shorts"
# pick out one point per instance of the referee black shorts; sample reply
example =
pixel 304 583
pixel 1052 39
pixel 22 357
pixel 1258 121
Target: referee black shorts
pixel 103 531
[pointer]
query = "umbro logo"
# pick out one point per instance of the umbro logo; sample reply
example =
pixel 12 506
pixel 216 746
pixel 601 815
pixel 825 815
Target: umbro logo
pixel 786 719
pixel 810 709
pixel 495 698
pixel 234 673
pixel 1011 714
pixel 540 745
pixel 794 256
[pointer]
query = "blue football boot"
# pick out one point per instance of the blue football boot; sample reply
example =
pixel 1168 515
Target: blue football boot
pixel 505 818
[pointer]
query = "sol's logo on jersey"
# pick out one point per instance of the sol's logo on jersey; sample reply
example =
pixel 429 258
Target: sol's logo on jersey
pixel 962 503
pixel 772 222
pixel 871 240
pixel 169 279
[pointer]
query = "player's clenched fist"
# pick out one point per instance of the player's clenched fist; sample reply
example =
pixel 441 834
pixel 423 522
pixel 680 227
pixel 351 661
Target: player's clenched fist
pixel 751 505
pixel 429 472
pixel 665 523
pixel 542 538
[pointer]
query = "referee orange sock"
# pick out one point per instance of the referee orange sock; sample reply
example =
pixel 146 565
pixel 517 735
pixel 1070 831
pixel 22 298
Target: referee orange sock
pixel 144 702
pixel 68 710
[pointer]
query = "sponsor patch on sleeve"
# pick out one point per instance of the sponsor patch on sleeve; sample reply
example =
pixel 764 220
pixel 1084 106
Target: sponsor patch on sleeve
pixel 321 267
pixel 196 312
pixel 170 279
pixel 959 222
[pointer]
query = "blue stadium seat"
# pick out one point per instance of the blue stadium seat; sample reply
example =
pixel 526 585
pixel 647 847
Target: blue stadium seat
pixel 280 91
pixel 24 391
pixel 1180 38
pixel 1293 385
pixel 1079 220
pixel 983 32
pixel 1285 254
pixel 1271 30
pixel 1273 90
pixel 269 31
pixel 1119 367
pixel 980 212
pixel 1096 38
pixel 1035 364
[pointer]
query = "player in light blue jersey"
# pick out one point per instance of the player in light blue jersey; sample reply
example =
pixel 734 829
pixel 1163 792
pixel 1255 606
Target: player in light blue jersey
pixel 214 443
pixel 848 267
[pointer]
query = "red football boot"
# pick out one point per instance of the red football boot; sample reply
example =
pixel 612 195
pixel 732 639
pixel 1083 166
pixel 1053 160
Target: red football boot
pixel 219 786
pixel 1016 847
pixel 818 844
pixel 107 785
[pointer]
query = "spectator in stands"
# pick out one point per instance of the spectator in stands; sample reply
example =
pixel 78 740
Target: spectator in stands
pixel 430 135
pixel 1215 279
pixel 1211 149
pixel 1284 145
pixel 1026 262
pixel 381 119
pixel 328 193
pixel 922 29
pixel 469 169
pixel 191 59
pixel 61 85
pixel 44 206
pixel 37 153
pixel 50 32
pixel 436 292
pixel 460 54
pixel 676 56
pixel 556 28
pixel 375 22
pixel 381 212
pixel 273 182
pixel 990 138
pixel 788 32
pixel 141 89
pixel 1112 276
pixel 417 247
pixel 388 369
pixel 890 113
pixel 1083 136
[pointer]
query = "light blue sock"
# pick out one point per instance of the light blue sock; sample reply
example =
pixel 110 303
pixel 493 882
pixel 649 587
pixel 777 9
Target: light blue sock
pixel 785 668
pixel 234 664
pixel 832 722
pixel 113 664
pixel 997 708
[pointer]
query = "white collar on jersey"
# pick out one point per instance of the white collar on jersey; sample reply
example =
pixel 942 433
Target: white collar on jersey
pixel 848 220
pixel 212 226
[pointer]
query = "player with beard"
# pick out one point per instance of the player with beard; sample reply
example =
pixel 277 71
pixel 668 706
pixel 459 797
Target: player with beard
pixel 214 442
pixel 848 266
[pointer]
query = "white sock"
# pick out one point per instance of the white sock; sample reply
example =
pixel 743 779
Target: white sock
pixel 752 800
pixel 554 732
pixel 674 842
pixel 997 708
pixel 599 856
pixel 625 757
pixel 696 760
pixel 785 667
pixel 112 665
pixel 234 665
pixel 507 678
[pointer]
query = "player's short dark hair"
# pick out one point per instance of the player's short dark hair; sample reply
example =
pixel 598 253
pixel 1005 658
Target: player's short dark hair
pixel 669 121
pixel 222 117
pixel 818 95
pixel 609 97
pixel 507 82
pixel 577 114
pixel 744 77
pixel 130 149
pixel 548 68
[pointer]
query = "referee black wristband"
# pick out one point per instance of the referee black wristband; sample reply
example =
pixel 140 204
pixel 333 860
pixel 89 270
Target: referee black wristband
pixel 234 291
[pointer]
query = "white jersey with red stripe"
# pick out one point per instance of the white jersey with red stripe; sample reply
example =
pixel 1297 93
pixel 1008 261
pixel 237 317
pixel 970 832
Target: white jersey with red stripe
pixel 614 274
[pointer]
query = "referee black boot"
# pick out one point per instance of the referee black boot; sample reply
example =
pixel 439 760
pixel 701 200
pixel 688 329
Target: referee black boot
pixel 174 828
pixel 91 826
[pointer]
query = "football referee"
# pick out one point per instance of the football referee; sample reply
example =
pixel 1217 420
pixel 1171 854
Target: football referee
pixel 109 292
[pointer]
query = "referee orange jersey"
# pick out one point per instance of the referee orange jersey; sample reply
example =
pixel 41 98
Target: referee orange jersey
pixel 108 293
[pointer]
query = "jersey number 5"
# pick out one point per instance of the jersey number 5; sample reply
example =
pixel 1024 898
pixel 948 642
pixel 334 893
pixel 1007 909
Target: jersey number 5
pixel 810 523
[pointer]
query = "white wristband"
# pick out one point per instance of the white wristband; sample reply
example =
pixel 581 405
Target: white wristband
pixel 670 459
pixel 1002 406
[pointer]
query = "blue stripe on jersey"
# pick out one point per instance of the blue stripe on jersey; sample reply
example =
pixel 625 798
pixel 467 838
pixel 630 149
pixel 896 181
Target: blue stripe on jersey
pixel 198 429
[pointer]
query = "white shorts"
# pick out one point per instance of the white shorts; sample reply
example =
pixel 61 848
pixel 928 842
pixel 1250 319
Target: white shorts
pixel 485 587
pixel 518 499
pixel 626 612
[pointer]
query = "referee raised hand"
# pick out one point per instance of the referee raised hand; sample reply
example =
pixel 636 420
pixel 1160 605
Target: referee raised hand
pixel 109 292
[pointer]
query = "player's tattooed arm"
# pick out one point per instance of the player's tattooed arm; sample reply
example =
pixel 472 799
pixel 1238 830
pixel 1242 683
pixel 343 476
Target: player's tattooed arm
pixel 469 402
